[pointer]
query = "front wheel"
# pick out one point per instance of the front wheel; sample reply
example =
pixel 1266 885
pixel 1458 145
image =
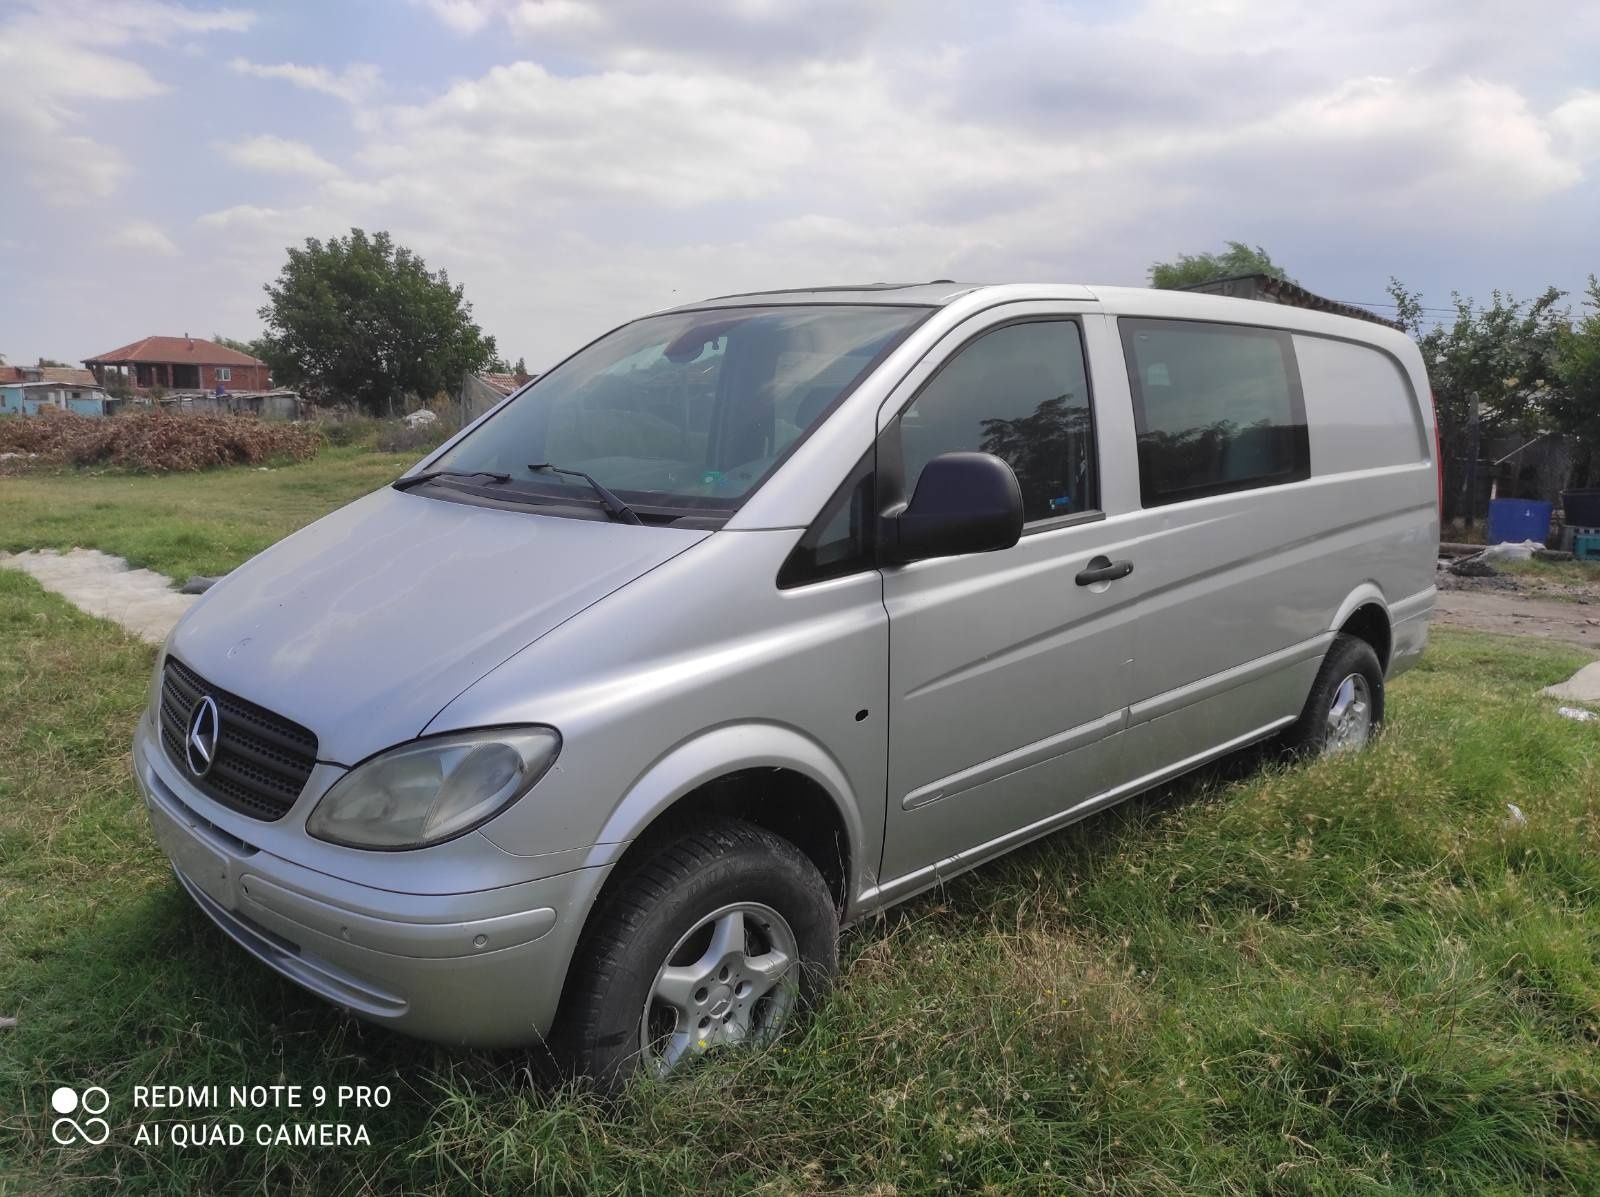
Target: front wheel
pixel 717 940
pixel 1344 711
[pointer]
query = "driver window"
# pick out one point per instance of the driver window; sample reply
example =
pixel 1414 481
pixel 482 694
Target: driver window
pixel 1020 392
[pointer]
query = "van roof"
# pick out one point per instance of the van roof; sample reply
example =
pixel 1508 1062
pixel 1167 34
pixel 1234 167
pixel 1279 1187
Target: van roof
pixel 931 294
pixel 1145 301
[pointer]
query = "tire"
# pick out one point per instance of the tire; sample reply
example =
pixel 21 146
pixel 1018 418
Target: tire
pixel 1351 667
pixel 657 914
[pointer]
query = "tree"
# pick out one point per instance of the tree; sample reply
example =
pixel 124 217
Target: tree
pixel 50 362
pixel 1193 269
pixel 253 348
pixel 1494 371
pixel 1576 409
pixel 360 317
pixel 499 365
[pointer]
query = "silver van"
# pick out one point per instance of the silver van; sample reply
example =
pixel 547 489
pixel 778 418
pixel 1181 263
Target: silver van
pixel 758 615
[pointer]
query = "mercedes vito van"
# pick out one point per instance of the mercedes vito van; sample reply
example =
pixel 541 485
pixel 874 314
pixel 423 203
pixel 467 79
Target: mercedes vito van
pixel 758 615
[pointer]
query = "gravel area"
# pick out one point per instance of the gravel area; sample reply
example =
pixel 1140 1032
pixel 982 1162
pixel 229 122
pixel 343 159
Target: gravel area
pixel 1515 605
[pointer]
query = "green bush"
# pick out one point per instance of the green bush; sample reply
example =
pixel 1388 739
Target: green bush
pixel 351 430
pixel 399 437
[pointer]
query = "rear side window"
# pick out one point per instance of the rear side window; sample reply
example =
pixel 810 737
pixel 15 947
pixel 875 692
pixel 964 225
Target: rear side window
pixel 1020 392
pixel 1217 408
pixel 1363 410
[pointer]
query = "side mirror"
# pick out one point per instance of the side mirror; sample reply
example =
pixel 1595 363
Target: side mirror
pixel 964 503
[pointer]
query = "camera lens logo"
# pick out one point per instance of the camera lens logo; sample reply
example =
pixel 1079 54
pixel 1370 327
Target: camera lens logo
pixel 67 1130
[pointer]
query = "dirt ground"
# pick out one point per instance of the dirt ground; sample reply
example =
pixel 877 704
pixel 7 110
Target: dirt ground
pixel 1522 605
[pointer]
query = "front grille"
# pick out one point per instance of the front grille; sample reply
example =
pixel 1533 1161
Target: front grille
pixel 262 760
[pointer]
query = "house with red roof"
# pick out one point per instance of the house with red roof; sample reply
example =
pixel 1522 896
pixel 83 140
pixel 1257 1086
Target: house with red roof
pixel 181 364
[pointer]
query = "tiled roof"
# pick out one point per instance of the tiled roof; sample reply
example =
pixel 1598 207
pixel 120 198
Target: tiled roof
pixel 69 375
pixel 185 350
pixel 504 383
pixel 60 375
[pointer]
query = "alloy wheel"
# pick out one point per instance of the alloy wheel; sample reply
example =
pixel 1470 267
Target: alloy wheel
pixel 729 981
pixel 1349 716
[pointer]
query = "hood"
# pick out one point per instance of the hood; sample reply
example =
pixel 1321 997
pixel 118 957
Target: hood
pixel 364 624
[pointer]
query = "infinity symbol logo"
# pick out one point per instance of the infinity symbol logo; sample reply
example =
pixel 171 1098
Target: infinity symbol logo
pixel 93 1131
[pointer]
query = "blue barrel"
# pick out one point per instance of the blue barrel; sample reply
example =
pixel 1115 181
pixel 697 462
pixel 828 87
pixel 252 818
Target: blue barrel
pixel 1518 520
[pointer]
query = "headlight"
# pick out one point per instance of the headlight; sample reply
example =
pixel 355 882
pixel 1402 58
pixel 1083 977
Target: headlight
pixel 433 789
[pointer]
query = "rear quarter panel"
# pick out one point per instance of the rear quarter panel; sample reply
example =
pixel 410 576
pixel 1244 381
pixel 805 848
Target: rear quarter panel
pixel 1239 594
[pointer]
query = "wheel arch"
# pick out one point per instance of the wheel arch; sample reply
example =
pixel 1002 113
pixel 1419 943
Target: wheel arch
pixel 768 774
pixel 1365 615
pixel 726 772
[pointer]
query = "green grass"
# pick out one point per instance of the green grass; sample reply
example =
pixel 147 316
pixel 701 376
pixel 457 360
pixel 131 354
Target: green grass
pixel 1349 977
pixel 183 524
pixel 1584 574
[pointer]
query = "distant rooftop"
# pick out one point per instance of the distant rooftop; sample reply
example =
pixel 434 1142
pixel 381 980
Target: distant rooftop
pixel 36 384
pixel 505 383
pixel 182 350
pixel 1270 289
pixel 70 376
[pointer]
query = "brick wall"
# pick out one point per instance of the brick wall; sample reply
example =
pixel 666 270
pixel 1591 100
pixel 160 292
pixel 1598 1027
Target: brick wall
pixel 242 378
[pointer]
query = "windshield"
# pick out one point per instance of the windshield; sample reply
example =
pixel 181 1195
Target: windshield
pixel 683 411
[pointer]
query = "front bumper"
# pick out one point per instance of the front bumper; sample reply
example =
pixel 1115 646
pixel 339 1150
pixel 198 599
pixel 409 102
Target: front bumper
pixel 482 969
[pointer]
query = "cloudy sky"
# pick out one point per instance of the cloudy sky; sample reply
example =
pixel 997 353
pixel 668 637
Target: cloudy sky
pixel 576 162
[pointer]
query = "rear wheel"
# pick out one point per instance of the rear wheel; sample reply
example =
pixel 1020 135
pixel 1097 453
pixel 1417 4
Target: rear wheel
pixel 717 940
pixel 1345 708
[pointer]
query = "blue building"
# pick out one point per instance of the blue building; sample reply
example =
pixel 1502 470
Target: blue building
pixel 30 398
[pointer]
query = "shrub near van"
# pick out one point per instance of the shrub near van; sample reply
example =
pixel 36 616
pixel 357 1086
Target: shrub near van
pixel 756 616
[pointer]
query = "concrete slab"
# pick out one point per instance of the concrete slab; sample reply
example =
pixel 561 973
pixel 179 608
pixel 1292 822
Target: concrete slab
pixel 1583 686
pixel 140 600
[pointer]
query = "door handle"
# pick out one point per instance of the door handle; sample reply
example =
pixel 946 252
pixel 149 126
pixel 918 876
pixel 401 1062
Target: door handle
pixel 1103 569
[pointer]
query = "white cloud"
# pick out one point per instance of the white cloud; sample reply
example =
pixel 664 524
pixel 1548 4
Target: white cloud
pixel 730 36
pixel 238 215
pixel 118 22
pixel 535 17
pixel 56 59
pixel 352 85
pixel 1578 120
pixel 640 154
pixel 278 155
pixel 464 16
pixel 1437 141
pixel 617 189
pixel 655 138
pixel 142 236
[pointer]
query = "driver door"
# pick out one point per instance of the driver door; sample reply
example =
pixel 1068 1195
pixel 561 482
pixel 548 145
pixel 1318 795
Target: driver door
pixel 1008 680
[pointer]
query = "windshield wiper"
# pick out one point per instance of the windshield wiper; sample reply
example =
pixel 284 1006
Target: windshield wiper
pixel 430 475
pixel 615 507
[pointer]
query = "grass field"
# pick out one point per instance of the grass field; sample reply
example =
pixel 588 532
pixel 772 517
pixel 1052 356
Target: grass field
pixel 183 524
pixel 1356 976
